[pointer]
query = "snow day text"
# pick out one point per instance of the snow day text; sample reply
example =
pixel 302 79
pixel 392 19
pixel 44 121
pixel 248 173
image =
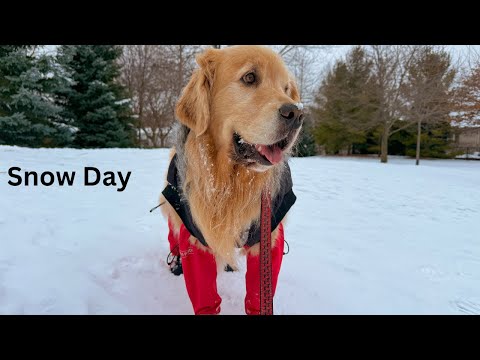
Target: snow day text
pixel 92 177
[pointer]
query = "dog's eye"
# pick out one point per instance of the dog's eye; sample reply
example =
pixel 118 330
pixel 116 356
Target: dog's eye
pixel 286 89
pixel 249 78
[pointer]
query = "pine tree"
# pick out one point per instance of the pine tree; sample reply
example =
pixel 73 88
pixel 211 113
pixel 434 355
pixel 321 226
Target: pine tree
pixel 95 101
pixel 435 140
pixel 28 114
pixel 345 104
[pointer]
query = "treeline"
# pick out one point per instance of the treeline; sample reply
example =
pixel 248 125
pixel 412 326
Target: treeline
pixel 400 100
pixel 91 96
pixel 70 99
pixel 376 100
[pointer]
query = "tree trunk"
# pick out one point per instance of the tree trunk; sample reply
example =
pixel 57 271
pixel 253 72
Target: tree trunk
pixel 155 138
pixel 141 141
pixel 384 146
pixel 419 133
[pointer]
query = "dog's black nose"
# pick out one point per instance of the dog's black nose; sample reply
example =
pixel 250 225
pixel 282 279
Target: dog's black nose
pixel 292 115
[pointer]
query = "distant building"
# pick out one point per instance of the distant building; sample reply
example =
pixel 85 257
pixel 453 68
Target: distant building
pixel 467 142
pixel 468 137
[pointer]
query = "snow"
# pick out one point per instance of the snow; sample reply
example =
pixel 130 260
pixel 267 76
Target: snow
pixel 475 155
pixel 123 101
pixel 365 238
pixel 473 123
pixel 299 106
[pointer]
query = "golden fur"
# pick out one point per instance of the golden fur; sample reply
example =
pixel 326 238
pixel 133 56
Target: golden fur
pixel 225 196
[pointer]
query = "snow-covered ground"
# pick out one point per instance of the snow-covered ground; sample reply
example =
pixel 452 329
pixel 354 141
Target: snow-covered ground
pixel 365 238
pixel 475 155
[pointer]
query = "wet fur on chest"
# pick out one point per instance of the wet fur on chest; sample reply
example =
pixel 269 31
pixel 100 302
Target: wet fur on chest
pixel 224 197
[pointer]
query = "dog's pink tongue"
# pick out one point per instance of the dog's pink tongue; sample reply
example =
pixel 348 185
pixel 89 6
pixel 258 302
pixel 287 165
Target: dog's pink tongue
pixel 272 153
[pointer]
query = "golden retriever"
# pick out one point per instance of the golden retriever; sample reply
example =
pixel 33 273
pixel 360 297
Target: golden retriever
pixel 241 115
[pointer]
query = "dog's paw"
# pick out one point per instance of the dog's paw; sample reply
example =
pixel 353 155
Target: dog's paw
pixel 228 268
pixel 176 266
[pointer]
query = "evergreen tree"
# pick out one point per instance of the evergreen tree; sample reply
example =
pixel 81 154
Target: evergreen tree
pixel 345 104
pixel 435 140
pixel 95 101
pixel 28 114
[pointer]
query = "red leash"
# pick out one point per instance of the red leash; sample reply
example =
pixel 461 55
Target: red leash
pixel 266 294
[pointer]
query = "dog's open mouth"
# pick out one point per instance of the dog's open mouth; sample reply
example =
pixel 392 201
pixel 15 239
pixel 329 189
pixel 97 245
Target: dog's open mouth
pixel 257 153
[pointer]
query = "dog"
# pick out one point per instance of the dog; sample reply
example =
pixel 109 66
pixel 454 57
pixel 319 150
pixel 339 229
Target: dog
pixel 239 117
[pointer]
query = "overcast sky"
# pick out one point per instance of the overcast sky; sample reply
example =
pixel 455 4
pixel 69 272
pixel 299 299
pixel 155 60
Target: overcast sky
pixel 339 50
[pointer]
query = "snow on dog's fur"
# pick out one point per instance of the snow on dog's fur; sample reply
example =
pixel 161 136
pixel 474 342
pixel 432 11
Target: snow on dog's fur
pixel 224 104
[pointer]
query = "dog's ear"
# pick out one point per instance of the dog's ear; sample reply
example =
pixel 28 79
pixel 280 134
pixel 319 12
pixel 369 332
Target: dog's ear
pixel 193 107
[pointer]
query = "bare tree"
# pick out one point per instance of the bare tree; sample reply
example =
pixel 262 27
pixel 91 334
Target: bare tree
pixel 155 76
pixel 427 89
pixel 302 68
pixel 472 57
pixel 390 68
pixel 137 72
pixel 304 61
pixel 467 98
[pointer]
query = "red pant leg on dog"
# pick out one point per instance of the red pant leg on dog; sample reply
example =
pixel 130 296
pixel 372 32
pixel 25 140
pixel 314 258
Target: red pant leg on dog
pixel 252 277
pixel 200 272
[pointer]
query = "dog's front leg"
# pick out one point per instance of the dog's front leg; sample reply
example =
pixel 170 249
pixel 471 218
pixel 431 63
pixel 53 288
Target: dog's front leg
pixel 252 277
pixel 200 273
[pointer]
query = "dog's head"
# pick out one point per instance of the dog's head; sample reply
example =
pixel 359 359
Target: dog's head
pixel 246 99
